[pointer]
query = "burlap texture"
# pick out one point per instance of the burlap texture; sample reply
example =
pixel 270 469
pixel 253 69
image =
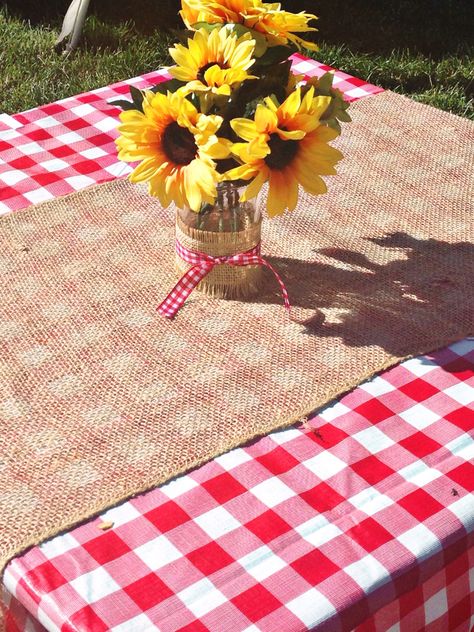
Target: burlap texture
pixel 224 281
pixel 102 398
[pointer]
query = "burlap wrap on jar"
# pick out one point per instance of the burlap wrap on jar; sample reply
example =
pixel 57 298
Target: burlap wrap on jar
pixel 227 227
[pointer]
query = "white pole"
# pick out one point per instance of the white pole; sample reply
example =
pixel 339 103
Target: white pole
pixel 73 23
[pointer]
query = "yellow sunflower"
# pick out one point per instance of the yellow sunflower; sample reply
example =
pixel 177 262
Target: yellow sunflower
pixel 280 26
pixel 286 146
pixel 337 108
pixel 177 147
pixel 214 11
pixel 213 61
pixel 268 18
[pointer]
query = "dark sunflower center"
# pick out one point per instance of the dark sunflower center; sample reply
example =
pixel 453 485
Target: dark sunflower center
pixel 202 70
pixel 179 144
pixel 282 152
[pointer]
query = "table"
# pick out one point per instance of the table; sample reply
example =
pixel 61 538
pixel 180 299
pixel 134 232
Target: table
pixel 362 518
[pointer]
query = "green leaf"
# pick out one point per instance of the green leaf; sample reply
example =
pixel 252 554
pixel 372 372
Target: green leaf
pixel 194 99
pixel 334 124
pixel 261 43
pixel 274 55
pixel 182 35
pixel 137 96
pixel 344 117
pixel 325 82
pixel 168 86
pixel 124 105
pixel 205 25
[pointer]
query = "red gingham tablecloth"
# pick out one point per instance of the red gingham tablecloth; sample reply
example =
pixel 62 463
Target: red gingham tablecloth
pixel 364 519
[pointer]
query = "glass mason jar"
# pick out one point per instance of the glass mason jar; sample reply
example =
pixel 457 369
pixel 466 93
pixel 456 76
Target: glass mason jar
pixel 225 228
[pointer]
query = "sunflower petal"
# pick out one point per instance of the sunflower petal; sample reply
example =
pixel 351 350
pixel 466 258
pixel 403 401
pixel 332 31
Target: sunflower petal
pixel 255 186
pixel 245 128
pixel 243 172
pixel 296 134
pixel 292 194
pixel 145 170
pixel 314 184
pixel 277 194
pixel 265 119
pixel 290 106
pixel 183 74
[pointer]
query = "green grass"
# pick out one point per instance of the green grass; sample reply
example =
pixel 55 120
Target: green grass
pixel 32 73
pixel 447 83
pixel 114 48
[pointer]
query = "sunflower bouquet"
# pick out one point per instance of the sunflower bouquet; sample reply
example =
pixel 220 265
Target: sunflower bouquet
pixel 232 118
pixel 233 111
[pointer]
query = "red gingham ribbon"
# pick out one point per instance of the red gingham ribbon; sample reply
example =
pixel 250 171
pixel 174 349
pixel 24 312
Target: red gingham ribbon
pixel 202 264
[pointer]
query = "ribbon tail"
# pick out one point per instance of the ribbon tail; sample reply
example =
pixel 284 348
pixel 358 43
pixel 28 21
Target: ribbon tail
pixel 284 291
pixel 183 288
pixel 258 260
pixel 190 279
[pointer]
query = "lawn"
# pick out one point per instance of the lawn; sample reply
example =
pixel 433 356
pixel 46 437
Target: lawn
pixel 424 50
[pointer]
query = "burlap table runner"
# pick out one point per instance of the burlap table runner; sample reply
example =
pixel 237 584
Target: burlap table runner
pixel 102 398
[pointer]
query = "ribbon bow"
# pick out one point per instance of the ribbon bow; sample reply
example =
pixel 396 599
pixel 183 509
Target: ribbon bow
pixel 201 265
